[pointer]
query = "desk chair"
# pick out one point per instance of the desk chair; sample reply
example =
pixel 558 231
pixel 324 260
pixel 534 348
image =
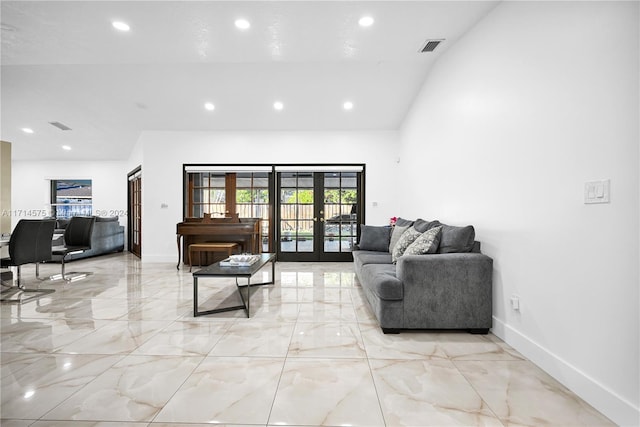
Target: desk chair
pixel 30 243
pixel 77 239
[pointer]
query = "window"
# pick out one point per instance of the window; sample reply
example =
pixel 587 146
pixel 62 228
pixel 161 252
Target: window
pixel 208 194
pixel 71 197
pixel 252 200
pixel 220 192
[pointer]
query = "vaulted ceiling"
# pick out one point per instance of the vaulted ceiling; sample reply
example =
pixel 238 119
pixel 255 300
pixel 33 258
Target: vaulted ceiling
pixel 63 61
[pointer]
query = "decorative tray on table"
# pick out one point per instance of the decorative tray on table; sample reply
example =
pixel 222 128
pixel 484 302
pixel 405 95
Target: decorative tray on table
pixel 244 260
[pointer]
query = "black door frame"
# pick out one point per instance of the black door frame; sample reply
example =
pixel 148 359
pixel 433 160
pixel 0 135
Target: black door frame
pixel 318 254
pixel 131 217
pixel 274 202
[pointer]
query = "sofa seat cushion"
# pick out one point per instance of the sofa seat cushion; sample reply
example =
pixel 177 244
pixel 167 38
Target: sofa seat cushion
pixel 361 258
pixel 381 280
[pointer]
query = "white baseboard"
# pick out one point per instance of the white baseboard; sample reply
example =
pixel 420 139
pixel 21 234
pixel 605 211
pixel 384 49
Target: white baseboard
pixel 618 409
pixel 160 258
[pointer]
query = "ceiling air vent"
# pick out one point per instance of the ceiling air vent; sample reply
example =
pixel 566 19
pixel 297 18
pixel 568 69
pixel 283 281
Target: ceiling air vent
pixel 431 45
pixel 60 126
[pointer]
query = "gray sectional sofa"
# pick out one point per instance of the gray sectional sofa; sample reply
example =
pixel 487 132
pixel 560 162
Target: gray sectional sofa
pixel 107 237
pixel 432 278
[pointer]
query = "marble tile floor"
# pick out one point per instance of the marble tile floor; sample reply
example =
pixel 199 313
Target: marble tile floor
pixel 122 348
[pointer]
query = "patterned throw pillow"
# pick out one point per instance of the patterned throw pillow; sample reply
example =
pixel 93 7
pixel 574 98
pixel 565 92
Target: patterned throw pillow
pixel 427 243
pixel 405 240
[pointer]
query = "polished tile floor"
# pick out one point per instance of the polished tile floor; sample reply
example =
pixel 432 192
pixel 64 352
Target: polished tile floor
pixel 122 348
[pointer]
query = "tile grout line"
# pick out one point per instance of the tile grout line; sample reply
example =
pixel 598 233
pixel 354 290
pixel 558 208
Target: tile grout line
pixel 286 356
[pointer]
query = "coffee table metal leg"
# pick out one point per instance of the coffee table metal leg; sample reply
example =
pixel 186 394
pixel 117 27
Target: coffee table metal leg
pixel 273 271
pixel 195 296
pixel 246 302
pixel 249 296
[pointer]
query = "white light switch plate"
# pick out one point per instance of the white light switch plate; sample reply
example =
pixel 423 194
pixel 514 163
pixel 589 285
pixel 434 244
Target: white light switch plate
pixel 597 191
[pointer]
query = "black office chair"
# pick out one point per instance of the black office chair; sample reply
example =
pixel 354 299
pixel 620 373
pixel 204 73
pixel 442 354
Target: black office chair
pixel 77 239
pixel 30 243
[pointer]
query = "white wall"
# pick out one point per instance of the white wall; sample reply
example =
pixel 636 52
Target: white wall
pixel 135 157
pixel 31 187
pixel 537 99
pixel 166 152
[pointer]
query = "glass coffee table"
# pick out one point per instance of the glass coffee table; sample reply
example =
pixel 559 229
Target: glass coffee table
pixel 218 270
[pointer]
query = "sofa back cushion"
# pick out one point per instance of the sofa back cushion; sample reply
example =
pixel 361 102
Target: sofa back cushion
pixel 456 239
pixel 374 238
pixel 106 218
pixel 403 222
pixel 423 225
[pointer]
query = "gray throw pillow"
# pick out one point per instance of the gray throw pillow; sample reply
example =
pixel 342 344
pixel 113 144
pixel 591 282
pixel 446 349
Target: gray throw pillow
pixel 395 235
pixel 421 225
pixel 374 238
pixel 456 239
pixel 404 222
pixel 426 243
pixel 405 240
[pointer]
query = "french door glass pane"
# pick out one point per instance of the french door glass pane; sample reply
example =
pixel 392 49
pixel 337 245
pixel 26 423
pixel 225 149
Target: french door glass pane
pixel 340 205
pixel 209 194
pixel 252 200
pixel 296 212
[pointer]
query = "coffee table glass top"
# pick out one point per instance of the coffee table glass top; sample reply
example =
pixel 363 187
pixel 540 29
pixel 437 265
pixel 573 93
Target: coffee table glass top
pixel 235 271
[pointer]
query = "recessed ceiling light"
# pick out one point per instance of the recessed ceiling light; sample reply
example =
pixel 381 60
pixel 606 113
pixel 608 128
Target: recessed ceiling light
pixel 120 26
pixel 348 105
pixel 209 106
pixel 242 24
pixel 366 21
pixel 278 105
pixel 66 147
pixel 27 130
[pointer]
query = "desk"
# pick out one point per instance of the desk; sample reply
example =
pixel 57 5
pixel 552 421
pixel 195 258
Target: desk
pixel 216 270
pixel 5 276
pixel 4 247
pixel 4 240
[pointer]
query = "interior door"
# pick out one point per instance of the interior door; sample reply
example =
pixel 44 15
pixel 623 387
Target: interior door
pixel 317 214
pixel 135 213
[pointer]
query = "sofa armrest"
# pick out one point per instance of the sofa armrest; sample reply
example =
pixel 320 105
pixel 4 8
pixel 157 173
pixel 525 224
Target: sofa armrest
pixel 450 290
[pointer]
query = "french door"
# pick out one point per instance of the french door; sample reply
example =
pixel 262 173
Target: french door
pixel 318 212
pixel 135 212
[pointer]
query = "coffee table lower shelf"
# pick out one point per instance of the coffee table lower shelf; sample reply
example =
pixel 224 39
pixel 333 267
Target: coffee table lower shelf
pixel 216 270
